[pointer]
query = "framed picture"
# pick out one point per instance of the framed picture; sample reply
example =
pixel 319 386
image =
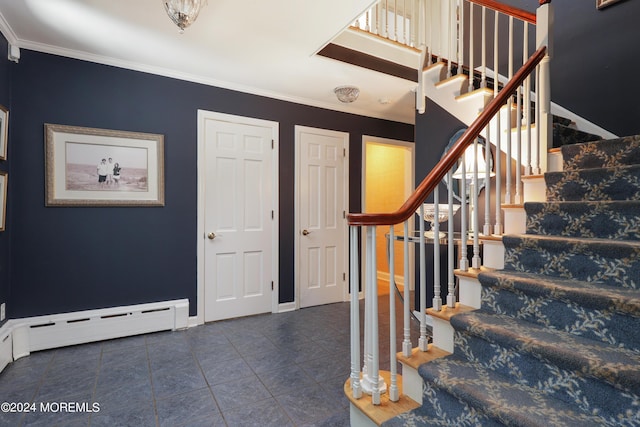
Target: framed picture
pixel 3 199
pixel 101 167
pixel 600 4
pixel 4 132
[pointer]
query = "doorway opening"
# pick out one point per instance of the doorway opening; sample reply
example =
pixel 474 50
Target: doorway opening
pixel 388 180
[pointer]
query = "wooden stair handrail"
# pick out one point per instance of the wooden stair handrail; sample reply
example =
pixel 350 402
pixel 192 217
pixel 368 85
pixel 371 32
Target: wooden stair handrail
pixel 507 10
pixel 438 172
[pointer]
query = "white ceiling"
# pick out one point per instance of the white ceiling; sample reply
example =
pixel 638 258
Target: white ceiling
pixel 262 47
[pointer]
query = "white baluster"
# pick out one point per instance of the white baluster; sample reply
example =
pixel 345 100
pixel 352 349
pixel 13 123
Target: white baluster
pixel 461 37
pixel 486 229
pixel 405 20
pixel 475 261
pixel 464 211
pixel 422 341
pixel 367 18
pixel 471 39
pixel 429 18
pixel 406 344
pixel 450 32
pixel 414 24
pixel 527 100
pixel 508 185
pixel 386 18
pixel 395 20
pixel 393 387
pixel 437 297
pixel 498 229
pixel 518 196
pixel 483 80
pixel 354 283
pixel 451 284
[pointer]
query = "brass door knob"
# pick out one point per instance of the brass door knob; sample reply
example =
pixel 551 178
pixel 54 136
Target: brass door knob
pixel 211 235
pixel 305 232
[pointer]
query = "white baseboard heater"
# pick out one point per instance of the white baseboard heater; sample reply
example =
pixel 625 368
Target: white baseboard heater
pixel 59 330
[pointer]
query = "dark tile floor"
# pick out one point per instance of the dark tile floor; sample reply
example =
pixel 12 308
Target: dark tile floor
pixel 277 370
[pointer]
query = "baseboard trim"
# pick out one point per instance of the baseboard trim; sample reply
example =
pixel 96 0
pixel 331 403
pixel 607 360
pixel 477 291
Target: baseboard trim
pixel 192 322
pixel 26 335
pixel 6 345
pixel 383 275
pixel 286 306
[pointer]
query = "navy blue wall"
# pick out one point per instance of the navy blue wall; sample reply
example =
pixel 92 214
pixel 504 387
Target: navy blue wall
pixel 595 59
pixel 5 236
pixel 75 258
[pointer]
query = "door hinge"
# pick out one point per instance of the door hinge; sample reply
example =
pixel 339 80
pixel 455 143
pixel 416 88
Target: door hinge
pixel 344 214
pixel 273 144
pixel 344 152
pixel 344 276
pixel 272 285
pixel 272 215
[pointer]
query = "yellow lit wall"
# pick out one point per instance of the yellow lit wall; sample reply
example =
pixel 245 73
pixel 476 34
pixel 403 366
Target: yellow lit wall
pixel 386 180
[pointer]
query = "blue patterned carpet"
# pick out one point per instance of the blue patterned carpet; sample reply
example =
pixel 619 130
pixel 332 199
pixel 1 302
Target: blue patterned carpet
pixel 557 341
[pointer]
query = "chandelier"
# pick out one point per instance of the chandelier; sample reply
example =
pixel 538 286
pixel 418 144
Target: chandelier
pixel 183 12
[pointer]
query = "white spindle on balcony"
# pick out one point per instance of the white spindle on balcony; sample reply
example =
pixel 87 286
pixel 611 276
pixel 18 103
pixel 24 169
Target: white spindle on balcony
pixel 483 78
pixel 471 46
pixel 460 27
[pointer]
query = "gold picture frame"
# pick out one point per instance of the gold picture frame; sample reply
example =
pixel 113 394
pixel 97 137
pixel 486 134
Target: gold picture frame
pixel 102 167
pixel 601 4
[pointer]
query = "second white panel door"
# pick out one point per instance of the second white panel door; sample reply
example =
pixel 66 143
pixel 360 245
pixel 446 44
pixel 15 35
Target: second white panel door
pixel 321 207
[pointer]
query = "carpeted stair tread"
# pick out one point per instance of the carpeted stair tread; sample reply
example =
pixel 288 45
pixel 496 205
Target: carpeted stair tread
pixel 499 397
pixel 616 263
pixel 612 365
pixel 564 134
pixel 442 409
pixel 596 184
pixel 596 296
pixel 585 393
pixel 602 154
pixel 616 220
pixel 601 315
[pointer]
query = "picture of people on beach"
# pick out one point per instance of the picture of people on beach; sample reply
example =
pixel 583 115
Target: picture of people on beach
pixel 105 168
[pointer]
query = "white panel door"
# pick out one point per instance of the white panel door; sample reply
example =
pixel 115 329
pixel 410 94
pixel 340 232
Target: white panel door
pixel 238 223
pixel 321 204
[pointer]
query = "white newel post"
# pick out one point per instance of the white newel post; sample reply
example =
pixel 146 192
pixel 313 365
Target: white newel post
pixel 544 37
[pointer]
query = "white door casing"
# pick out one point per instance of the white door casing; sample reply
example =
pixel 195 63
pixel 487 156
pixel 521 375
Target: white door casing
pixel 322 183
pixel 237 216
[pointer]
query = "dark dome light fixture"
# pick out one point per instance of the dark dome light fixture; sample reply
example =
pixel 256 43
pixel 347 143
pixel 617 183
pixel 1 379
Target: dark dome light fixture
pixel 183 12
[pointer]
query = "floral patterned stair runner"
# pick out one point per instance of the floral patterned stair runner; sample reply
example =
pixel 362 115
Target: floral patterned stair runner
pixel 557 341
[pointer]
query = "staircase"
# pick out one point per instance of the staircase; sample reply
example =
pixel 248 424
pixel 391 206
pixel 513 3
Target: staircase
pixel 557 338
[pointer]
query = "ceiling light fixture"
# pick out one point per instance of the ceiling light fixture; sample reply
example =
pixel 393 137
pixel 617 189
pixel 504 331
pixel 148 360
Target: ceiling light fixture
pixel 183 12
pixel 347 94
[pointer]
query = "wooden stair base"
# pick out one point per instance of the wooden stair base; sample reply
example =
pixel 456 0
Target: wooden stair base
pixel 386 409
pixel 447 313
pixel 419 357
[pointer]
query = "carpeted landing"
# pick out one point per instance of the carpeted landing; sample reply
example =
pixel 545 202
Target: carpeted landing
pixel 557 341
